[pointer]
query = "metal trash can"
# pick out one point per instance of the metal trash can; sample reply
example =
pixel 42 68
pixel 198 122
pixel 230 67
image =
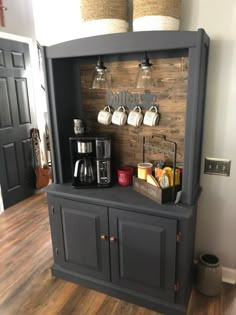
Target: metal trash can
pixel 209 275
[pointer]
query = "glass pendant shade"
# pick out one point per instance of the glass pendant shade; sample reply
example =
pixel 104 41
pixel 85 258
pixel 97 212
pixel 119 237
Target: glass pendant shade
pixel 101 78
pixel 144 78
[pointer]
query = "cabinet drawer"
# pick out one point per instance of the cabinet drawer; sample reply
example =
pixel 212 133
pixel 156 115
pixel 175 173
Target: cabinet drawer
pixel 143 252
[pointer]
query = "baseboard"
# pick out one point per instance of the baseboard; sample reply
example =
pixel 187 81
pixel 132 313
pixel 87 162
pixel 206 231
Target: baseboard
pixel 228 275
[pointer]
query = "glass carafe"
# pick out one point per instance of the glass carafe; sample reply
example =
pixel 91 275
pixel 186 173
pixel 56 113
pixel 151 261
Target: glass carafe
pixel 84 171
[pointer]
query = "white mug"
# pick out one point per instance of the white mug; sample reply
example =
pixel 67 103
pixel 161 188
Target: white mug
pixel 151 117
pixel 105 116
pixel 135 117
pixel 119 116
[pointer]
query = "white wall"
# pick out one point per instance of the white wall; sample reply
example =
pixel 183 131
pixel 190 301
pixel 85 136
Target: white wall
pixel 216 223
pixel 57 20
pixel 19 18
pixel 20 26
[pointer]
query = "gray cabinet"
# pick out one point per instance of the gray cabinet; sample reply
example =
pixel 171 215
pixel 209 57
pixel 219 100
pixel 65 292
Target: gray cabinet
pixel 129 247
pixel 132 250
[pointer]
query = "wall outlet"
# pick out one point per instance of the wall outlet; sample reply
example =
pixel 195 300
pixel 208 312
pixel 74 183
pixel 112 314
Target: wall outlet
pixel 216 166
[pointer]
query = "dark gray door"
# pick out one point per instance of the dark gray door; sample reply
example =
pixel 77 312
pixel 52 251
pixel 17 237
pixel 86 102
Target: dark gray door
pixel 143 250
pixel 16 120
pixel 83 243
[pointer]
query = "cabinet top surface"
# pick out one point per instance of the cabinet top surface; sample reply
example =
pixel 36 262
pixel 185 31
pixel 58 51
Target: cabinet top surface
pixel 127 43
pixel 121 197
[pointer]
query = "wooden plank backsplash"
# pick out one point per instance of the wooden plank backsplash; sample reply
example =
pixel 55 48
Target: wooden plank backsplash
pixel 171 76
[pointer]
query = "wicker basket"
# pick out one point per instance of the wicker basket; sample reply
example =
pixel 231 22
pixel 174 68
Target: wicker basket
pixel 150 15
pixel 104 17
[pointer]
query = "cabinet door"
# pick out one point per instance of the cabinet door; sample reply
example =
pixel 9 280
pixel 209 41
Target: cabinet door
pixel 82 231
pixel 143 250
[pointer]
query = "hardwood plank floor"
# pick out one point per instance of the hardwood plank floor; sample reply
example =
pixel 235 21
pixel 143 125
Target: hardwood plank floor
pixel 27 287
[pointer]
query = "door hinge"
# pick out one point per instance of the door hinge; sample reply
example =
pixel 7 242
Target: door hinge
pixel 176 286
pixel 179 237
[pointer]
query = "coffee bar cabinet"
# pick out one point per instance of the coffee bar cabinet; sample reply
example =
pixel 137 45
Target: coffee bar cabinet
pixel 115 240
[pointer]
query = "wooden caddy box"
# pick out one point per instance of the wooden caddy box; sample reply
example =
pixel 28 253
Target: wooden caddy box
pixel 156 194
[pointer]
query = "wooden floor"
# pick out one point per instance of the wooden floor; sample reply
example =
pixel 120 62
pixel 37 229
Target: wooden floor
pixel 27 287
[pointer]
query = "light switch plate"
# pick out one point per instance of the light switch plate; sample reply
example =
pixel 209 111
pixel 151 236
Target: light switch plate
pixel 217 166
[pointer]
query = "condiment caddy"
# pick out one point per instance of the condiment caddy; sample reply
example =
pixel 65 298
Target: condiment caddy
pixel 165 182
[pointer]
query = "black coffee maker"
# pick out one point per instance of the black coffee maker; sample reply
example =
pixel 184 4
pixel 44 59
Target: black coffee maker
pixel 91 161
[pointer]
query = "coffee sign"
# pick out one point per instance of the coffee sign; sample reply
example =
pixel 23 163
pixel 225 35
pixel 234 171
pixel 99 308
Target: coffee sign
pixel 130 100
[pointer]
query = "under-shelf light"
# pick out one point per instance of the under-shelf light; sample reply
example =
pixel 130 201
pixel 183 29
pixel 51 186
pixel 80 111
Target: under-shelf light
pixel 101 78
pixel 144 78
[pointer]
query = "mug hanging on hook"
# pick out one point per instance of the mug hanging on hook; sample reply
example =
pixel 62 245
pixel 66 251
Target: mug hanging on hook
pixel 105 116
pixel 135 117
pixel 151 117
pixel 119 116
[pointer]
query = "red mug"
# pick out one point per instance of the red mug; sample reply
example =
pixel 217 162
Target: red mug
pixel 125 175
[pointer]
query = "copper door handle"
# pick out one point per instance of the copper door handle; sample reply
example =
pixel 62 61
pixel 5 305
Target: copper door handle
pixel 112 239
pixel 103 237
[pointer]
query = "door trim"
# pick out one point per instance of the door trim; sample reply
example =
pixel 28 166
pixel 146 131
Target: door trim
pixel 16 38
